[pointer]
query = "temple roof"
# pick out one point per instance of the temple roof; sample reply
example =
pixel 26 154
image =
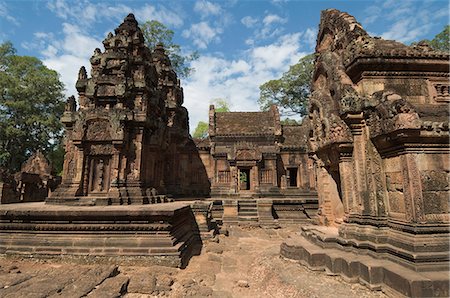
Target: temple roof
pixel 295 135
pixel 202 143
pixel 339 30
pixel 244 123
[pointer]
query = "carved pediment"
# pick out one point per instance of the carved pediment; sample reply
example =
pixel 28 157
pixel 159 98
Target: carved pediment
pixel 248 154
pixel 99 130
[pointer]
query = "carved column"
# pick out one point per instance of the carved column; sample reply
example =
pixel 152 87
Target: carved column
pixel 346 174
pixel 255 178
pixel 234 180
pixel 138 152
pixel 359 206
pixel 412 189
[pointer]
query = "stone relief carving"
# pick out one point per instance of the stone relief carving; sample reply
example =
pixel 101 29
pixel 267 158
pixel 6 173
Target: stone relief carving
pixel 98 131
pixel 102 149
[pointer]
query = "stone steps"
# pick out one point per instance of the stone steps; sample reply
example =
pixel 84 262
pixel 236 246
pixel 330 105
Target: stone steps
pixel 247 210
pixel 376 274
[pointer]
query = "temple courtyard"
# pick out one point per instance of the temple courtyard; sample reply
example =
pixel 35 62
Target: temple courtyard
pixel 353 202
pixel 246 263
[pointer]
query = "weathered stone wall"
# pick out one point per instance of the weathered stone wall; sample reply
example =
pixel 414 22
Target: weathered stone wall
pixel 380 141
pixel 379 136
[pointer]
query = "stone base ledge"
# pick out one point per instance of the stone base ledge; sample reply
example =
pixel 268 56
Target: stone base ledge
pixel 391 244
pixel 165 234
pixel 376 274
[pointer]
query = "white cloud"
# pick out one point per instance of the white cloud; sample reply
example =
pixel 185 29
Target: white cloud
pixel 202 34
pixel 67 66
pixel 206 8
pixel 161 14
pixel 86 13
pixel 272 19
pixel 410 21
pixel 402 31
pixel 310 36
pixel 77 43
pixel 67 54
pixel 276 55
pixel 4 13
pixel 269 27
pixel 238 80
pixel 249 21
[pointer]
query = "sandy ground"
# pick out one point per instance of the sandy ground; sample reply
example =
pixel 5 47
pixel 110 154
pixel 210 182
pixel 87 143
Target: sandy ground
pixel 244 264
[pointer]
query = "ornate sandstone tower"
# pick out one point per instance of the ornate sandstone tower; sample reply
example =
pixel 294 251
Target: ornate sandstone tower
pixel 129 138
pixel 380 138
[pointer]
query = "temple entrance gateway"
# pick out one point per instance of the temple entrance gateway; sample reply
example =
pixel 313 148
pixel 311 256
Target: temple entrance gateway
pixel 244 179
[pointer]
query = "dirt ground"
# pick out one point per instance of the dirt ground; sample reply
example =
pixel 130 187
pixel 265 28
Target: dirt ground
pixel 244 264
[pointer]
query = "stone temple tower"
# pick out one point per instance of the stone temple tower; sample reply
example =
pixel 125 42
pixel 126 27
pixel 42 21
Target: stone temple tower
pixel 129 138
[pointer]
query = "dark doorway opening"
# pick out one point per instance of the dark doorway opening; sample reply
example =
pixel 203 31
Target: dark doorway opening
pixel 244 179
pixel 292 177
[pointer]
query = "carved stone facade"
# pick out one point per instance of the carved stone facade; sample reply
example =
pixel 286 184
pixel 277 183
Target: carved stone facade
pixel 8 188
pixel 33 183
pixel 249 156
pixel 129 138
pixel 36 179
pixel 380 139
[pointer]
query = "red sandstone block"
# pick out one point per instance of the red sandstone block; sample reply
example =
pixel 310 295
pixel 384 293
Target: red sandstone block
pixel 135 251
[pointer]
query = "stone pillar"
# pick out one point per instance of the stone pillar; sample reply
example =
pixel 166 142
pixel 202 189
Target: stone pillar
pixel 230 212
pixel 347 182
pixel 234 180
pixel 202 214
pixel 265 216
pixel 412 189
pixel 138 153
pixel 255 178
pixel 359 205
pixel 115 178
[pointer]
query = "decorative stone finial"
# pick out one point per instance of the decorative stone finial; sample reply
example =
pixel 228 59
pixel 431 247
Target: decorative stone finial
pixel 82 74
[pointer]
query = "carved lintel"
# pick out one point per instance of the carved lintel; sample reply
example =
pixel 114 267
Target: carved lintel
pixel 102 149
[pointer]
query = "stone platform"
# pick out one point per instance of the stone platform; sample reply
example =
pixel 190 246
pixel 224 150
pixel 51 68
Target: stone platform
pixel 313 248
pixel 164 234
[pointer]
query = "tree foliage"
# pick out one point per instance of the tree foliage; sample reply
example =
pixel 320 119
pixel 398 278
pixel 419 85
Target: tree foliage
pixel 31 104
pixel 289 121
pixel 441 42
pixel 291 91
pixel 220 105
pixel 201 131
pixel 155 32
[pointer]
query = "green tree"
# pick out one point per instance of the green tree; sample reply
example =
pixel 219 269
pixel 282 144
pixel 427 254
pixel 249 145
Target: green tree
pixel 441 42
pixel 289 121
pixel 201 131
pixel 31 104
pixel 291 91
pixel 154 32
pixel 220 105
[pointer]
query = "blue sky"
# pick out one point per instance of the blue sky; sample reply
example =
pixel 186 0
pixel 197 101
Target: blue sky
pixel 242 44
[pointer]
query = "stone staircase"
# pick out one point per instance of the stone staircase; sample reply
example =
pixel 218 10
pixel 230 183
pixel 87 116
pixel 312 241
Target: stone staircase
pixel 247 210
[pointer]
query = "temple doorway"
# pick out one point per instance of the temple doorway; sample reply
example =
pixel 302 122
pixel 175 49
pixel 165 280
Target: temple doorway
pixel 99 174
pixel 244 179
pixel 292 177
